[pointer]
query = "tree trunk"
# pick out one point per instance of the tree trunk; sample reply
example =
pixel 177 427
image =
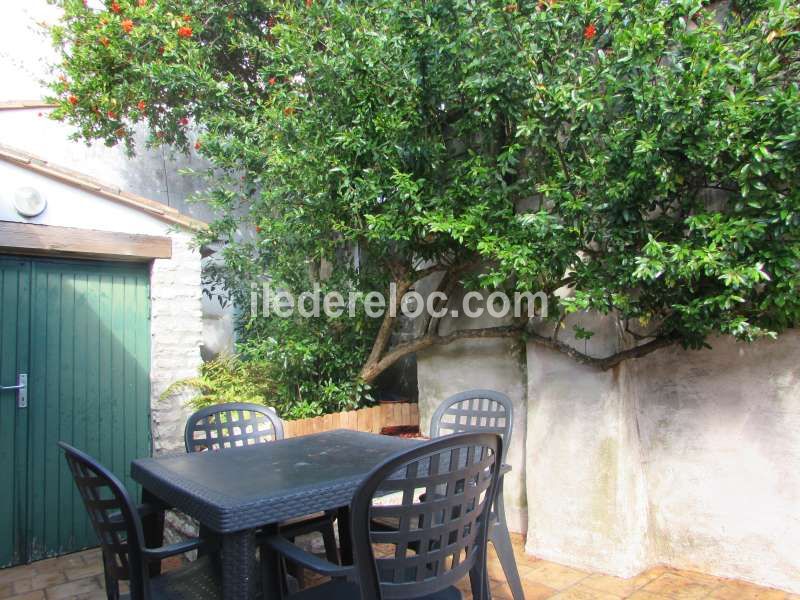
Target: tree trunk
pixel 369 371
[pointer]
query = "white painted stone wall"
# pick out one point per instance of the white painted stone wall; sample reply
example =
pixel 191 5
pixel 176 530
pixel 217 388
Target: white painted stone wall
pixel 176 328
pixel 492 364
pixel 586 498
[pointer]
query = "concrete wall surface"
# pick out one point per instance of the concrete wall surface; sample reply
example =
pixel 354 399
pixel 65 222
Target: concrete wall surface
pixel 484 364
pixel 497 364
pixel 684 458
pixel 689 459
pixel 720 442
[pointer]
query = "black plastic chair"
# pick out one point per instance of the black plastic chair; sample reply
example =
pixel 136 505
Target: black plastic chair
pixel 241 424
pixel 438 497
pixel 231 425
pixel 485 411
pixel 118 525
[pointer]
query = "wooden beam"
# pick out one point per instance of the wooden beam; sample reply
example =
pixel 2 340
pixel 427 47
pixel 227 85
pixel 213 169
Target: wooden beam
pixel 39 240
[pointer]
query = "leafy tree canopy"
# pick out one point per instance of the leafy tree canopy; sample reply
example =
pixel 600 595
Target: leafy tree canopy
pixel 643 155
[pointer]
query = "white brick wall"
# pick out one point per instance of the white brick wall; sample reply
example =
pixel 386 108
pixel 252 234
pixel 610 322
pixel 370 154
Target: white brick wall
pixel 176 330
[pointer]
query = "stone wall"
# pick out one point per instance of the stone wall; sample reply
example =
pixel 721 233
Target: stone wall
pixel 176 329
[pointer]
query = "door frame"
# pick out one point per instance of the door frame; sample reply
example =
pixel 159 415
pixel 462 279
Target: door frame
pixel 24 551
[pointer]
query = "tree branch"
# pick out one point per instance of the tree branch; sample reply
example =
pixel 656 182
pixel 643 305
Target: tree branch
pixel 600 363
pixel 387 326
pixel 370 372
pixel 372 369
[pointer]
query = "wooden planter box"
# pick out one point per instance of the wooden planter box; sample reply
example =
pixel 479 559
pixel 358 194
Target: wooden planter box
pixel 372 419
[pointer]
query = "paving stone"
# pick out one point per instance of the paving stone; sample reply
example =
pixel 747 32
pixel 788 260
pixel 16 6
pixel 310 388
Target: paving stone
pixel 38 582
pixel 73 589
pixel 533 591
pixel 739 590
pixel 79 577
pixel 640 595
pixel 84 571
pixel 8 576
pixel 676 586
pixel 37 595
pixel 52 565
pixel 617 585
pixel 581 592
pixel 553 575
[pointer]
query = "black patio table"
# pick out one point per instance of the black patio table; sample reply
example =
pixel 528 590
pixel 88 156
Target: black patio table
pixel 237 491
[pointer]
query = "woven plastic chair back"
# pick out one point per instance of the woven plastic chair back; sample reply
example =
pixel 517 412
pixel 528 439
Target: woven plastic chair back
pixel 419 519
pixel 485 411
pixel 114 519
pixel 231 426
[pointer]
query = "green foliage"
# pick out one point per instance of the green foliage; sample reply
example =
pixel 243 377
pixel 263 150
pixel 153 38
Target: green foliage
pixel 650 150
pixel 227 379
pixel 313 363
pixel 253 379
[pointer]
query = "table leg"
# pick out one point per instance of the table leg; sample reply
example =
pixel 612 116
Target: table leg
pixel 272 574
pixel 238 565
pixel 153 529
pixel 345 544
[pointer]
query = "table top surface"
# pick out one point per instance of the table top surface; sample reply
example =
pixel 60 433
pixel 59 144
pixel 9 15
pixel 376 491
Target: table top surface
pixel 249 487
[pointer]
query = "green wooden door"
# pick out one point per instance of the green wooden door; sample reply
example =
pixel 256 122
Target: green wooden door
pixel 87 353
pixel 15 283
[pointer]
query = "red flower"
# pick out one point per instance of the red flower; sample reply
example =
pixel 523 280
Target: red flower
pixel 288 111
pixel 142 3
pixel 115 7
pixel 127 25
pixel 589 32
pixel 184 121
pixel 185 32
pixel 111 114
pixel 197 145
pixel 258 229
pixel 104 41
pixel 229 17
pixel 141 105
pixel 186 18
pixel 272 81
pixel 309 3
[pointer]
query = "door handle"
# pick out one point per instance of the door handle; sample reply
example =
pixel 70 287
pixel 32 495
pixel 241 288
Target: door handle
pixel 21 389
